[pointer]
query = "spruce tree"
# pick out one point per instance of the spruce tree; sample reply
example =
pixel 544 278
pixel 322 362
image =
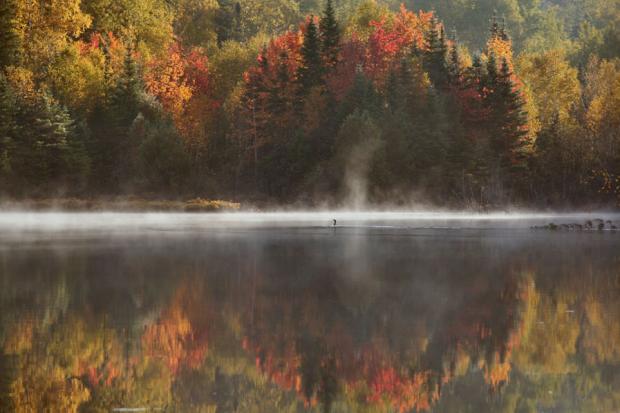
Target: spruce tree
pixel 255 103
pixel 435 58
pixel 47 151
pixel 502 31
pixel 228 21
pixel 549 166
pixel 393 96
pixel 125 98
pixel 454 66
pixel 491 79
pixel 278 100
pixel 256 91
pixel 7 126
pixel 115 146
pixel 10 43
pixel 515 117
pixel 506 123
pixel 476 75
pixel 330 36
pixel 495 30
pixel 406 86
pixel 310 71
pixel 361 96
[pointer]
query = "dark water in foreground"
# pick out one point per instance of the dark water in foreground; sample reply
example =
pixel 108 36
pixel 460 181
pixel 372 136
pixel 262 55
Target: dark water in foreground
pixel 172 313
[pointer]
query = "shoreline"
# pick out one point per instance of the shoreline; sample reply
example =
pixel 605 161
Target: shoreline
pixel 196 205
pixel 128 204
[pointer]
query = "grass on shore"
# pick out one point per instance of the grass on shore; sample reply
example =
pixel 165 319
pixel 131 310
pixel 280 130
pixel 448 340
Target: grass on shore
pixel 122 204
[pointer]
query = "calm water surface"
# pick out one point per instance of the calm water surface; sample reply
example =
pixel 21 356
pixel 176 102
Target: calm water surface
pixel 270 313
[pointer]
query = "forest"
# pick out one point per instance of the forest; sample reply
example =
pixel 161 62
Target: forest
pixel 470 103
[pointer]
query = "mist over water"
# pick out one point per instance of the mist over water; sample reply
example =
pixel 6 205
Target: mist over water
pixel 280 311
pixel 12 222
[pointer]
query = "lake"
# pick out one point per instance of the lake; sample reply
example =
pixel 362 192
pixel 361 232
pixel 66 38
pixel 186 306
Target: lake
pixel 386 312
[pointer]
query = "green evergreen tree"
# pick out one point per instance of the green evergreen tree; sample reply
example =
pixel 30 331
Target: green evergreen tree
pixel 393 96
pixel 278 99
pixel 7 127
pixel 125 98
pixel 48 153
pixel 429 135
pixel 163 161
pixel 435 56
pixel 362 96
pixel 454 65
pixel 310 70
pixel 506 126
pixel 228 21
pixel 10 42
pixel 114 149
pixel 330 36
pixel 255 121
pixel 491 77
pixel 550 166
pixel 475 76
pixel 495 31
pixel 515 117
pixel 502 31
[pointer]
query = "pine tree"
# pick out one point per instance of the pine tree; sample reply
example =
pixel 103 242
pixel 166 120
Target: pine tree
pixel 310 71
pixel 7 126
pixel 330 36
pixel 550 162
pixel 491 76
pixel 406 86
pixel 507 120
pixel 454 65
pixel 256 85
pixel 435 59
pixel 255 106
pixel 228 21
pixel 495 30
pixel 10 43
pixel 515 117
pixel 107 71
pixel 114 149
pixel 475 75
pixel 393 96
pixel 502 31
pixel 47 151
pixel 362 96
pixel 125 98
pixel 278 100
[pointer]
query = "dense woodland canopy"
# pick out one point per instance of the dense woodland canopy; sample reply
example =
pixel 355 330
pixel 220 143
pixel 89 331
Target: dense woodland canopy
pixel 344 102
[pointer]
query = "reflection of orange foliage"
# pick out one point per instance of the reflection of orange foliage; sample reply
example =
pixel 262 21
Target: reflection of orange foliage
pixel 383 382
pixel 101 375
pixel 20 337
pixel 497 372
pixel 477 331
pixel 175 338
pixel 404 393
pixel 283 370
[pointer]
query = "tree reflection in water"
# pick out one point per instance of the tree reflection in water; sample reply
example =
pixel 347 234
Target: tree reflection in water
pixel 282 321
